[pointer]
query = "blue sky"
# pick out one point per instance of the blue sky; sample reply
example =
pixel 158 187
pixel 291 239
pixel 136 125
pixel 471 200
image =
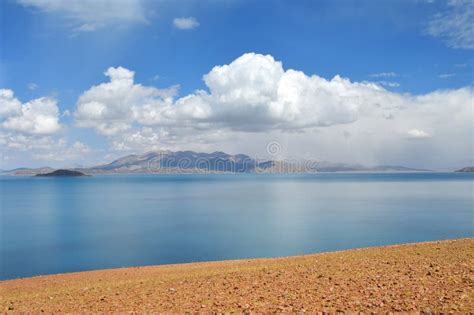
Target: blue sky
pixel 49 49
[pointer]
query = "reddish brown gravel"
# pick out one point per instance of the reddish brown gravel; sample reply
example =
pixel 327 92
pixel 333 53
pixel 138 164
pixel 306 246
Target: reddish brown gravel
pixel 429 277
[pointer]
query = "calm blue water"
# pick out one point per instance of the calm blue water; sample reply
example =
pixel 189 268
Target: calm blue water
pixel 53 225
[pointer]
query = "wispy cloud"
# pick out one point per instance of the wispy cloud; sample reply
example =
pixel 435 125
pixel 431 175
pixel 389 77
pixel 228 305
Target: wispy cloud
pixel 455 25
pixel 383 75
pixel 446 75
pixel 32 86
pixel 417 134
pixel 185 23
pixel 388 83
pixel 90 15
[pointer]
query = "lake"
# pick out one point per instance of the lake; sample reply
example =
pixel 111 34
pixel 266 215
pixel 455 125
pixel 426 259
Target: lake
pixel 55 225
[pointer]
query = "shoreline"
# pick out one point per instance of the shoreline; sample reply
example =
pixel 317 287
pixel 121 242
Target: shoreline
pixel 415 277
pixel 237 260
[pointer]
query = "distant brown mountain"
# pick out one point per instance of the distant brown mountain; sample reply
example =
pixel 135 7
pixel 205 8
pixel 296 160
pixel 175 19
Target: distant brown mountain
pixel 215 162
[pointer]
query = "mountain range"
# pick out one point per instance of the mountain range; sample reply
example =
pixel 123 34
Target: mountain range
pixel 216 162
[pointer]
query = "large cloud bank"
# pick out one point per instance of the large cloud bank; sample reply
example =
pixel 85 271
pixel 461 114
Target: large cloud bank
pixel 254 93
pixel 254 97
pixel 254 100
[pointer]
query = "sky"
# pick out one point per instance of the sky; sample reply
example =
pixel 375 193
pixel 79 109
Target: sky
pixel 368 82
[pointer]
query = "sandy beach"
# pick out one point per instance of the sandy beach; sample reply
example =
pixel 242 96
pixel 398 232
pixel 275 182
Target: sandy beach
pixel 423 277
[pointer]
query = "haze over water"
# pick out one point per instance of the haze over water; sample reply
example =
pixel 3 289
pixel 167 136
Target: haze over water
pixel 55 225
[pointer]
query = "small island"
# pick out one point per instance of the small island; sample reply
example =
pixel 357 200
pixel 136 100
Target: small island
pixel 62 173
pixel 467 169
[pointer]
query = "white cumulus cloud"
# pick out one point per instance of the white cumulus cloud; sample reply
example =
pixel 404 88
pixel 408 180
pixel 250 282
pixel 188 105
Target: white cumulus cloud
pixel 112 107
pixel 38 116
pixel 9 105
